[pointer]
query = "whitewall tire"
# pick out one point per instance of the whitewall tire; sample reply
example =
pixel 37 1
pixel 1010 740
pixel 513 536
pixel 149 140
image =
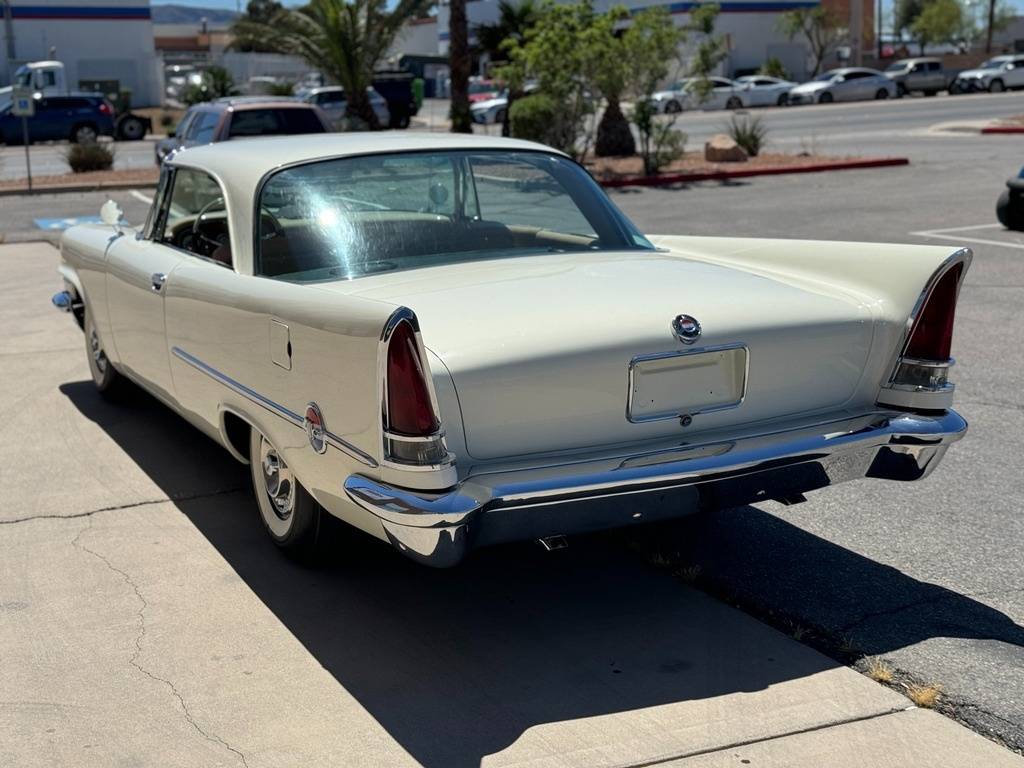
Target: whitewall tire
pixel 289 513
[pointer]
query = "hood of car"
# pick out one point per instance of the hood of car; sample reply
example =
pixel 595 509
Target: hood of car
pixel 488 104
pixel 972 73
pixel 813 86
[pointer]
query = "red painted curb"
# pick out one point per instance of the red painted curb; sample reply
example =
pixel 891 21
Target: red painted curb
pixel 1003 129
pixel 677 178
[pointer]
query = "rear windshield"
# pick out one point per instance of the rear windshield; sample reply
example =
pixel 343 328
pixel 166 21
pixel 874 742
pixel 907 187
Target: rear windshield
pixel 274 122
pixel 348 217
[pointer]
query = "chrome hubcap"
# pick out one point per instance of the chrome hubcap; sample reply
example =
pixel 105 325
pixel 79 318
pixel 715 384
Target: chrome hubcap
pixel 98 356
pixel 278 481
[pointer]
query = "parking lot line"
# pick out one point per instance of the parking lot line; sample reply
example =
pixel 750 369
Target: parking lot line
pixel 951 233
pixel 147 199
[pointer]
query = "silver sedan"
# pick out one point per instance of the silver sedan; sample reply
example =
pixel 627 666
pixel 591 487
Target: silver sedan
pixel 846 84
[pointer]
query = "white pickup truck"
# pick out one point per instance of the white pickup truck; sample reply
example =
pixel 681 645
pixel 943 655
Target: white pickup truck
pixel 48 79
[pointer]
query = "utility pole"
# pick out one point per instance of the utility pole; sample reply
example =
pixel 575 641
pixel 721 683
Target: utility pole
pixel 857 32
pixel 991 23
pixel 9 39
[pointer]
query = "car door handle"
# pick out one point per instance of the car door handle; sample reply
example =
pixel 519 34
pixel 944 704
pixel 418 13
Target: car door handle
pixel 157 281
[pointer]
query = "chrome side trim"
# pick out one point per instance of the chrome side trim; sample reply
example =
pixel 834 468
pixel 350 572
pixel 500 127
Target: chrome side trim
pixel 684 353
pixel 275 408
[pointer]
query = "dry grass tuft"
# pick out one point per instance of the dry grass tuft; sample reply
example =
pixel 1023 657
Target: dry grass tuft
pixel 879 671
pixel 925 696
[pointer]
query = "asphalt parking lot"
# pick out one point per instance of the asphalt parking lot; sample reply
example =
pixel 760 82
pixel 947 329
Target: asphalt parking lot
pixel 145 619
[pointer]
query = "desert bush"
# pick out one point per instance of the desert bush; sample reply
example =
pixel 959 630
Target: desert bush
pixel 749 132
pixel 774 68
pixel 538 117
pixel 660 142
pixel 93 156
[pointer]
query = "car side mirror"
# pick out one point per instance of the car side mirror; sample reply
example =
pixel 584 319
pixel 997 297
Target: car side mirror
pixel 111 214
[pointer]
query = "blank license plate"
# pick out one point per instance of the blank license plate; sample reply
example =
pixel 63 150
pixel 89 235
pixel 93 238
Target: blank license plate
pixel 665 386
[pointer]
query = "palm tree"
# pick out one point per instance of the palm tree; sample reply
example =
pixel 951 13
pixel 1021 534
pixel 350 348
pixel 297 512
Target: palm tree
pixel 514 20
pixel 459 63
pixel 344 39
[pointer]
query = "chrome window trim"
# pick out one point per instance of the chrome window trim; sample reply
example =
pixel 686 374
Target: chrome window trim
pixel 684 353
pixel 275 408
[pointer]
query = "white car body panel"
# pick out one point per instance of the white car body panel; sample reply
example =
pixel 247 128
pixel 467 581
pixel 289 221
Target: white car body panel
pixel 529 356
pixel 763 91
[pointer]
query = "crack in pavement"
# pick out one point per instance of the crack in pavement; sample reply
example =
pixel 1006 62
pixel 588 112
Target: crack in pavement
pixel 134 660
pixel 117 507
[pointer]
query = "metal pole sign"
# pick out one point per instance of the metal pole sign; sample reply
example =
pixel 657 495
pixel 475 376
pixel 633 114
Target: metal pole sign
pixel 24 106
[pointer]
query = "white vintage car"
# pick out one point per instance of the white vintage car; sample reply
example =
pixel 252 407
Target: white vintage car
pixel 453 341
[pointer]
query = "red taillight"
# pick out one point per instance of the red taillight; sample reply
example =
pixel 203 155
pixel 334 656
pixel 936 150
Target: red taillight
pixel 932 334
pixel 105 108
pixel 410 411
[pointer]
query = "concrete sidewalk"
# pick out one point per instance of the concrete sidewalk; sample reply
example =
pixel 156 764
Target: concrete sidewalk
pixel 145 619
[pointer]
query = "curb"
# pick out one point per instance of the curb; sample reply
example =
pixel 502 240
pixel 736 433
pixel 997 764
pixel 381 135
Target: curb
pixel 1003 129
pixel 678 178
pixel 97 187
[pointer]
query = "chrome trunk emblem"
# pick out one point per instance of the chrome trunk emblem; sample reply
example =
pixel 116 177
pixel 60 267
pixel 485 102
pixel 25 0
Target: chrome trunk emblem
pixel 686 328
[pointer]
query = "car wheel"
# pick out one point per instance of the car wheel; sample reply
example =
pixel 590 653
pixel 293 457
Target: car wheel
pixel 996 86
pixel 901 90
pixel 825 98
pixel 734 102
pixel 109 383
pixel 131 129
pixel 673 107
pixel 881 93
pixel 1010 210
pixel 783 100
pixel 289 513
pixel 84 134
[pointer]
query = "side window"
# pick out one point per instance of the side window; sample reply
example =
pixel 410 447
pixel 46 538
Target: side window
pixel 184 124
pixel 201 131
pixel 195 218
pixel 934 66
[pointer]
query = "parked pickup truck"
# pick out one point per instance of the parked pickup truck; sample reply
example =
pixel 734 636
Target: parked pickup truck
pixel 47 78
pixel 924 74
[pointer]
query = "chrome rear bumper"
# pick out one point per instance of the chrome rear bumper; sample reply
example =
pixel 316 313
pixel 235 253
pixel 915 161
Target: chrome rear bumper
pixel 575 497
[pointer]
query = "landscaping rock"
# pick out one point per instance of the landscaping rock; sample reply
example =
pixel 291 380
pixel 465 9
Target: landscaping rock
pixel 722 149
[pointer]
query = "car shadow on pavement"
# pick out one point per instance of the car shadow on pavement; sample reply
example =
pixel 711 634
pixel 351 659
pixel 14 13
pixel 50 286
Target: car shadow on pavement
pixel 853 604
pixel 457 665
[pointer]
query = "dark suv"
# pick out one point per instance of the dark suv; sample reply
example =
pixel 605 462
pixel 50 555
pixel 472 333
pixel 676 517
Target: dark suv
pixel 240 117
pixel 79 117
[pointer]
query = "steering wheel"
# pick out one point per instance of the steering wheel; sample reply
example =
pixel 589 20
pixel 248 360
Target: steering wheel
pixel 197 232
pixel 274 223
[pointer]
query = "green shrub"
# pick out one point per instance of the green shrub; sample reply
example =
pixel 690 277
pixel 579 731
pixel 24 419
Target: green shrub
pixel 538 117
pixel 660 142
pixel 93 156
pixel 748 132
pixel 773 68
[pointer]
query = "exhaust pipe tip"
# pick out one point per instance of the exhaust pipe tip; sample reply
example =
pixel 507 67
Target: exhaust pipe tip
pixel 551 543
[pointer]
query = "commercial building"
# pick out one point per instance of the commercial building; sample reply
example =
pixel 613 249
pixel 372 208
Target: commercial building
pixel 106 46
pixel 750 27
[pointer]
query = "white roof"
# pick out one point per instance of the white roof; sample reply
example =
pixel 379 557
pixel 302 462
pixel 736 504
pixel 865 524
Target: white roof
pixel 241 163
